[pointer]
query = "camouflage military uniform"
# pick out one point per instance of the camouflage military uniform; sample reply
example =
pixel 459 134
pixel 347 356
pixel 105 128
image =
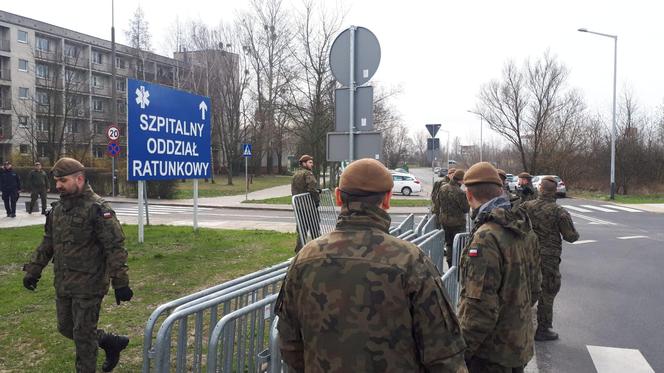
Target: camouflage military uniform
pixel 527 192
pixel 304 181
pixel 85 241
pixel 496 290
pixel 452 215
pixel 39 185
pixel 550 221
pixel 361 300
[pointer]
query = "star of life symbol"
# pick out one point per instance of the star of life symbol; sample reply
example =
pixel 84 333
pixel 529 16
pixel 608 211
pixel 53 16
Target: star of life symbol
pixel 142 97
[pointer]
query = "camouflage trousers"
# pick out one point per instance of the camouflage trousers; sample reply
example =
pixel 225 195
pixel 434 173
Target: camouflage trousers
pixel 77 320
pixel 550 287
pixel 38 193
pixel 450 232
pixel 477 365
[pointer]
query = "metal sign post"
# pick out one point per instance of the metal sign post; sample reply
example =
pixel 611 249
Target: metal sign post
pixel 141 238
pixel 351 94
pixel 246 153
pixel 195 204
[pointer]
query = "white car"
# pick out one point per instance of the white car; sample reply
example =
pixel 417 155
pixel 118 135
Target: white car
pixel 561 189
pixel 512 182
pixel 405 184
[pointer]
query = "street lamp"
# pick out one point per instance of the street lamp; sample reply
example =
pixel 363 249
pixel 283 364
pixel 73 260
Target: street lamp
pixel 613 127
pixel 481 125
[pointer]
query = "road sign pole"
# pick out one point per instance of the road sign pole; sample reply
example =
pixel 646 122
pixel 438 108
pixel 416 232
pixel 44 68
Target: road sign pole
pixel 351 92
pixel 195 204
pixel 113 176
pixel 141 237
pixel 246 179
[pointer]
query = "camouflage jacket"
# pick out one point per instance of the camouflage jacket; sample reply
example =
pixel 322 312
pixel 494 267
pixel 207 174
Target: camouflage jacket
pixel 434 196
pixel 85 241
pixel 527 192
pixel 550 221
pixel 304 181
pixel 453 204
pixel 361 300
pixel 496 287
pixel 38 180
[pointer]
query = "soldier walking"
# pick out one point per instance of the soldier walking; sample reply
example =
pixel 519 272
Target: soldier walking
pixel 435 207
pixel 453 207
pixel 526 191
pixel 38 180
pixel 304 181
pixel 361 300
pixel 10 184
pixel 85 241
pixel 495 304
pixel 550 222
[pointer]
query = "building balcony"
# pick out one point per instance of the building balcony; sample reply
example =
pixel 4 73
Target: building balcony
pixel 5 45
pixel 79 87
pixel 105 68
pixel 79 61
pixel 5 127
pixel 101 91
pixel 80 113
pixel 54 56
pixel 100 115
pixel 48 83
pixel 5 74
pixel 48 110
pixel 5 102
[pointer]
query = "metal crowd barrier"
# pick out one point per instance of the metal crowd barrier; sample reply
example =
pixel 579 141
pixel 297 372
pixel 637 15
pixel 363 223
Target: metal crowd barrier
pixel 434 246
pixel 421 224
pixel 149 351
pixel 430 225
pixel 314 221
pixel 452 284
pixel 408 224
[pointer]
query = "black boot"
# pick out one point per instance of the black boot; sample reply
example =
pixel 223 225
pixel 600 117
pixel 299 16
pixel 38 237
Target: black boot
pixel 545 334
pixel 112 344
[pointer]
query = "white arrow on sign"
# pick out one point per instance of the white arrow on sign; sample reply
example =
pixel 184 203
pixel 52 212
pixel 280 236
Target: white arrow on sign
pixel 203 108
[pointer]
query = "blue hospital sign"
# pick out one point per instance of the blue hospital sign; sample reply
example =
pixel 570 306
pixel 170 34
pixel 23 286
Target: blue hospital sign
pixel 168 133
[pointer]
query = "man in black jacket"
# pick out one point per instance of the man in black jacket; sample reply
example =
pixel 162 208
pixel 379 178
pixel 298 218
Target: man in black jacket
pixel 10 184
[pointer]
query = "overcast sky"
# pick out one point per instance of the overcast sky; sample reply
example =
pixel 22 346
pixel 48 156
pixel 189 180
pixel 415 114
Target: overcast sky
pixel 441 52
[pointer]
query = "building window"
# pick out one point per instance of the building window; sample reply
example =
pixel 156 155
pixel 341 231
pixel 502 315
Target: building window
pixel 41 149
pixel 42 44
pixel 24 148
pixel 119 63
pixel 72 51
pixel 42 98
pixel 42 125
pixel 122 107
pixel 97 105
pixel 22 36
pixel 41 71
pixel 97 57
pixel 23 121
pixel 97 81
pixel 22 65
pixel 73 127
pixel 121 85
pixel 23 93
pixel 100 128
pixel 100 151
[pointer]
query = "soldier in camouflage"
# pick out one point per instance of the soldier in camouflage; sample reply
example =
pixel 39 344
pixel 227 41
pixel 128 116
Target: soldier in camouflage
pixel 304 181
pixel 496 288
pixel 526 191
pixel 550 222
pixel 361 300
pixel 85 241
pixel 38 180
pixel 435 208
pixel 453 209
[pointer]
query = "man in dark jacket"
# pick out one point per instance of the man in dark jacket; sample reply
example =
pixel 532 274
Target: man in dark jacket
pixel 10 183
pixel 38 181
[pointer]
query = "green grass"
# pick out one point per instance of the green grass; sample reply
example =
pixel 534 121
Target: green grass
pixel 173 262
pixel 220 188
pixel 619 198
pixel 286 200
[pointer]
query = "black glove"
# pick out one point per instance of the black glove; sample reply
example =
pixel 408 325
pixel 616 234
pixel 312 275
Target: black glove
pixel 123 294
pixel 30 282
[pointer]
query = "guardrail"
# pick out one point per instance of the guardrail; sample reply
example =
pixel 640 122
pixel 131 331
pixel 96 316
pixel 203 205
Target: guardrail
pixel 313 221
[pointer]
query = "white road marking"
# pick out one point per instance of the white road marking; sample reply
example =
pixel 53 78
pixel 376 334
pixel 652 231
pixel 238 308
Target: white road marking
pixel 618 360
pixel 579 209
pixel 598 208
pixel 591 219
pixel 623 208
pixel 583 241
pixel 631 237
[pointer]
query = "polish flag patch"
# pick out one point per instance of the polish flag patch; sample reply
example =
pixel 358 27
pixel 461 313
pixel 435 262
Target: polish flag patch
pixel 473 252
pixel 107 215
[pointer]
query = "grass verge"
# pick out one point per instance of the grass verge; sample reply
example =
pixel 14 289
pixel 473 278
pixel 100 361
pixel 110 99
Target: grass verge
pixel 619 198
pixel 173 262
pixel 220 188
pixel 286 200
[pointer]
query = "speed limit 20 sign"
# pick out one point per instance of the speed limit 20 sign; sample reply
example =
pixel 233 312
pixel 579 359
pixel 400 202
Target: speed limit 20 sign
pixel 113 133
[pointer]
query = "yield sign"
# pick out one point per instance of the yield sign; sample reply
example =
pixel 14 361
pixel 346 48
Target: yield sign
pixel 433 129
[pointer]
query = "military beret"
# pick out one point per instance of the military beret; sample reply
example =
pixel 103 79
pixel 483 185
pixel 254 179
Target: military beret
pixel 458 175
pixel 551 179
pixel 482 172
pixel 366 176
pixel 502 173
pixel 451 171
pixel 305 158
pixel 525 175
pixel 67 166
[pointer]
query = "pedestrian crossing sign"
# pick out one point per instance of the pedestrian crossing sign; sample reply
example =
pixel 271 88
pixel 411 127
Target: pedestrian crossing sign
pixel 246 150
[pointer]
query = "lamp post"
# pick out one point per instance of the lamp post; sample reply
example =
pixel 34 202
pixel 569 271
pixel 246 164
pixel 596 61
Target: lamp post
pixel 447 165
pixel 613 127
pixel 481 126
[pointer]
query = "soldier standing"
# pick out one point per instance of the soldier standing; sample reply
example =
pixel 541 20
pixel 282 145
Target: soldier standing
pixel 526 191
pixel 10 184
pixel 453 209
pixel 85 241
pixel 39 184
pixel 304 181
pixel 495 305
pixel 550 222
pixel 361 300
pixel 435 208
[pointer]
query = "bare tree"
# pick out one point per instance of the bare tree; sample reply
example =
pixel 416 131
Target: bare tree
pixel 138 31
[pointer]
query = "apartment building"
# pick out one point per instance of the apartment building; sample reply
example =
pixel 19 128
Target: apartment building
pixel 56 85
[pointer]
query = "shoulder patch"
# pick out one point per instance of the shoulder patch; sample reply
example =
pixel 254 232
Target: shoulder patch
pixel 107 214
pixel 473 252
